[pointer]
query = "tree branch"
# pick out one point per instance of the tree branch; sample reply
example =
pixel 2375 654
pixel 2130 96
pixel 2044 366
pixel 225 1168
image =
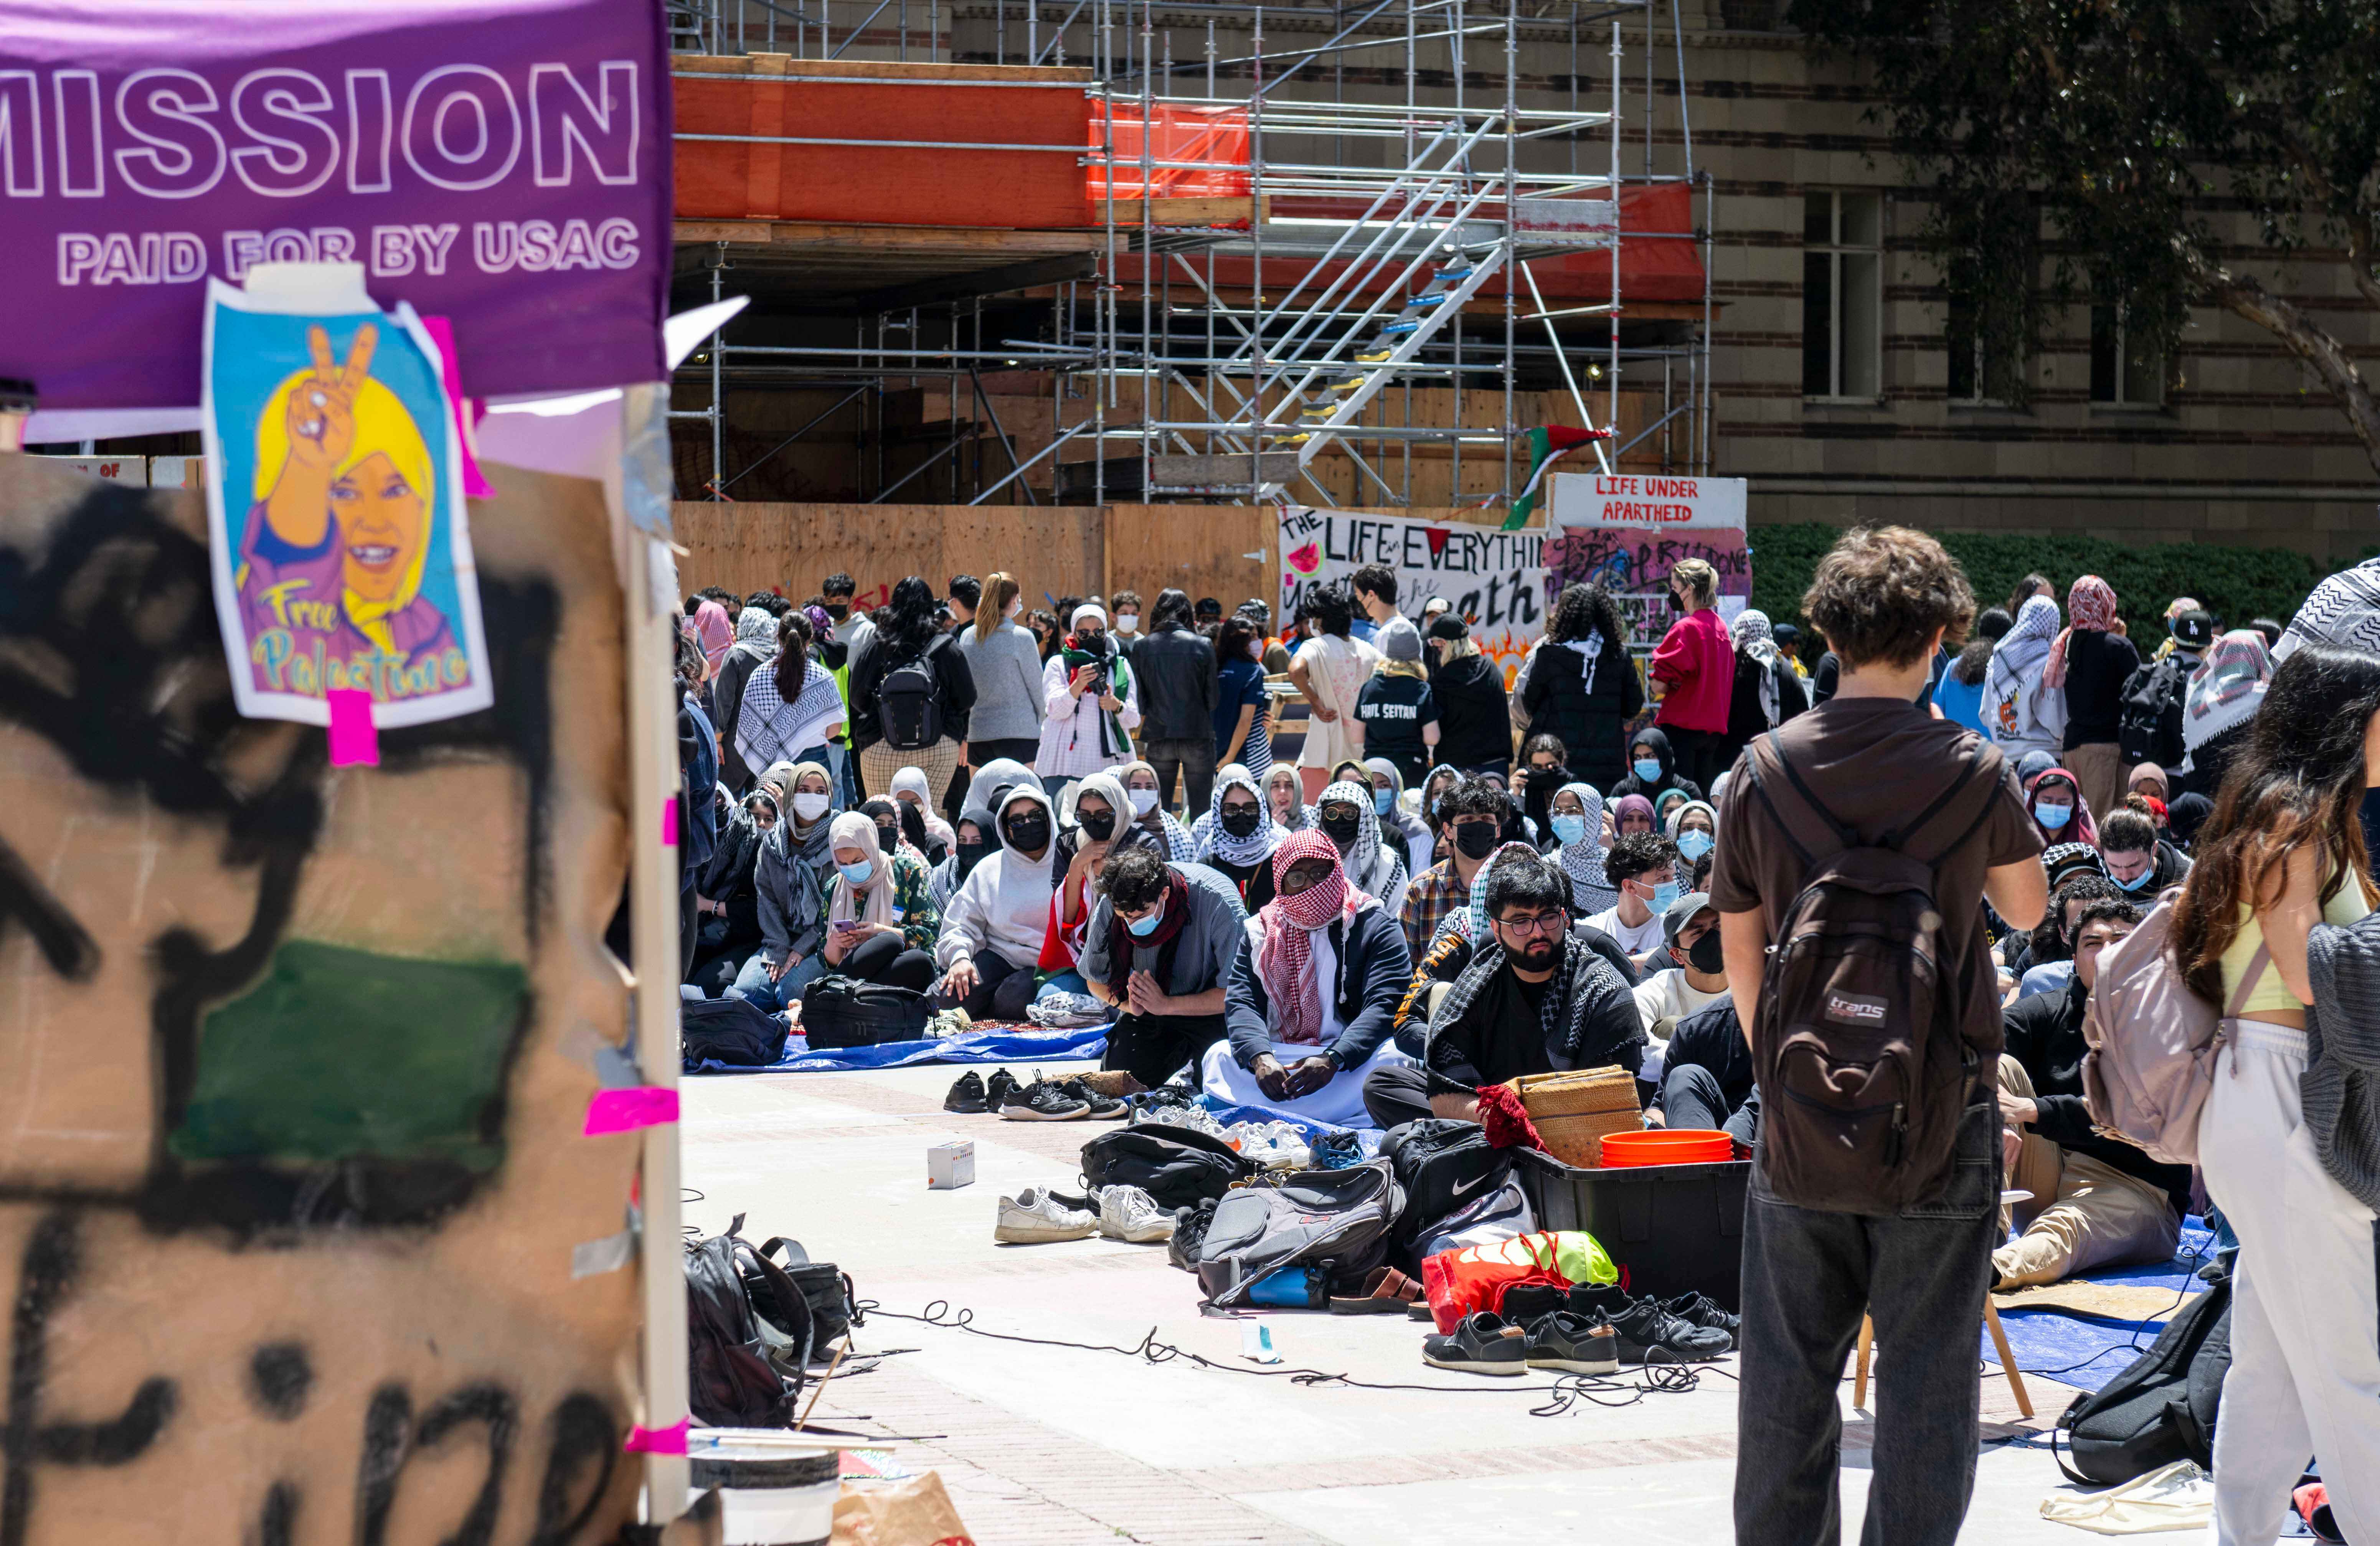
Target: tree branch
pixel 2244 295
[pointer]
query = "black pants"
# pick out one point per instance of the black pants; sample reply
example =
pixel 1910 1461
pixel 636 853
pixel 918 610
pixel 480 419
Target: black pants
pixel 1153 1048
pixel 1808 1275
pixel 1691 1097
pixel 1698 754
pixel 1002 992
pixel 887 958
pixel 1023 749
pixel 1397 1094
pixel 1194 760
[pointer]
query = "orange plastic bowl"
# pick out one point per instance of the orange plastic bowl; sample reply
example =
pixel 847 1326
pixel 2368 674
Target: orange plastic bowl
pixel 1667 1145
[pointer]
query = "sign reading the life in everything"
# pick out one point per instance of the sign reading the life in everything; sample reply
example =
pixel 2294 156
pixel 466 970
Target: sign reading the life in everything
pixel 1495 579
pixel 1626 532
pixel 335 501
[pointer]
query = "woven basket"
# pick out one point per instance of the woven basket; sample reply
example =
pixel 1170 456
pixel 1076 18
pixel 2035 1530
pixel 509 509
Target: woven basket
pixel 1574 1110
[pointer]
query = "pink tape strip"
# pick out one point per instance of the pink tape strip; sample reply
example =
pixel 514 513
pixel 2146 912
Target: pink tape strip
pixel 656 1440
pixel 442 333
pixel 669 823
pixel 354 740
pixel 625 1111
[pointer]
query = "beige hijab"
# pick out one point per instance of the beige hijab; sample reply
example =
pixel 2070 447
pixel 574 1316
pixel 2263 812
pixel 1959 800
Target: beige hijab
pixel 872 902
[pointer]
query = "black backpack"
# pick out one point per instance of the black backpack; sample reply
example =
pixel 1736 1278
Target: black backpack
pixel 2148 722
pixel 730 1030
pixel 738 1375
pixel 908 703
pixel 1442 1167
pixel 1178 1167
pixel 1859 1050
pixel 840 1011
pixel 830 1303
pixel 2162 1408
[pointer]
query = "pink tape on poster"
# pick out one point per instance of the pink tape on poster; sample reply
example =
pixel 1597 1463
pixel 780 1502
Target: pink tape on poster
pixel 625 1111
pixel 354 740
pixel 442 333
pixel 656 1440
pixel 669 823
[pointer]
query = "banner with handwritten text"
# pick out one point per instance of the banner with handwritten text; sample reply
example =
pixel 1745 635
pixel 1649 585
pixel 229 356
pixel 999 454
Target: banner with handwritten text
pixel 1626 532
pixel 1496 579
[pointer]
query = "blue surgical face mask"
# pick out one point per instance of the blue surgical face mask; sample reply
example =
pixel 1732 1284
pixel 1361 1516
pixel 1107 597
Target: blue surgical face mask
pixel 1665 897
pixel 2053 816
pixel 1694 844
pixel 1649 769
pixel 2138 881
pixel 1571 829
pixel 1382 800
pixel 856 873
pixel 1142 928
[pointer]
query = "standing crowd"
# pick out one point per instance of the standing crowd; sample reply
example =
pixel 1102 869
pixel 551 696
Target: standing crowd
pixel 1653 865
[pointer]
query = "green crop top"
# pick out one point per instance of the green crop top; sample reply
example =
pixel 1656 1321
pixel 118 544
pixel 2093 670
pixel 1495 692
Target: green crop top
pixel 2271 993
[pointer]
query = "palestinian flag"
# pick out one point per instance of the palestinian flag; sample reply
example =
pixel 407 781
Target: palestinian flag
pixel 1547 445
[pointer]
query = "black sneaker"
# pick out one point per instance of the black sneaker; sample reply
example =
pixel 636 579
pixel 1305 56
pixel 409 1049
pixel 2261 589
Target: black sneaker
pixel 1573 1344
pixel 996 1089
pixel 967 1096
pixel 1480 1344
pixel 1648 1332
pixel 1042 1101
pixel 1526 1304
pixel 1103 1108
pixel 1704 1313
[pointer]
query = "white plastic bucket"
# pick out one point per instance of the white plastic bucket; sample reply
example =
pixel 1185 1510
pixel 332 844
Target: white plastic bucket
pixel 773 1494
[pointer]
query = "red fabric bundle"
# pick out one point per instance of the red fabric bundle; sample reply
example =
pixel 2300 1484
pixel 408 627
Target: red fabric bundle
pixel 1506 1119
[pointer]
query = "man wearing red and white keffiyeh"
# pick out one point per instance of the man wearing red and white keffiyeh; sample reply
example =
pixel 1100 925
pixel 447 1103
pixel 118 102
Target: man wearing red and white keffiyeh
pixel 1314 995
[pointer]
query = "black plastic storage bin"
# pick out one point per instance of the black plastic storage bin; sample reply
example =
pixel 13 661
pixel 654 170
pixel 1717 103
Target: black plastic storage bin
pixel 1676 1229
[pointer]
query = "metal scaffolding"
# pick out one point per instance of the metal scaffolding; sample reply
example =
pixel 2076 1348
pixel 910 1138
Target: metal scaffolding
pixel 1404 184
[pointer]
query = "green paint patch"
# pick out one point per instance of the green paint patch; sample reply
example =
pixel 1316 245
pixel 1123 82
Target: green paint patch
pixel 344 1054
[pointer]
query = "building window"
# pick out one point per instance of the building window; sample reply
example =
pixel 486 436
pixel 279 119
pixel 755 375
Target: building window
pixel 2127 370
pixel 1980 373
pixel 1842 295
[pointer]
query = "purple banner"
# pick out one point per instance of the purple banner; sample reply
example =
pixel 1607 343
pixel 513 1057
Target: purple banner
pixel 505 164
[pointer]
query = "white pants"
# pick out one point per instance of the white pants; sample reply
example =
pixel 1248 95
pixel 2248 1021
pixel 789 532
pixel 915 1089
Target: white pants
pixel 1339 1103
pixel 2305 1311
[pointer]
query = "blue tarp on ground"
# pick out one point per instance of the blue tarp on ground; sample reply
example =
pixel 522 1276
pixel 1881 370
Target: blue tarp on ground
pixel 2087 1353
pixel 1002 1045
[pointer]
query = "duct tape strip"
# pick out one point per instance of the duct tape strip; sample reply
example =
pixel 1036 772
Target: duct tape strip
pixel 669 823
pixel 594 1258
pixel 354 740
pixel 625 1111
pixel 656 1440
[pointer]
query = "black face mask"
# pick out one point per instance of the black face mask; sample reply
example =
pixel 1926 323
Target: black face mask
pixel 1241 820
pixel 1098 826
pixel 1342 830
pixel 1475 839
pixel 838 610
pixel 1708 955
pixel 887 837
pixel 1029 833
pixel 971 855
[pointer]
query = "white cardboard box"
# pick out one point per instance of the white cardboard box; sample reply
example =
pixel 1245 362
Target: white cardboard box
pixel 950 1166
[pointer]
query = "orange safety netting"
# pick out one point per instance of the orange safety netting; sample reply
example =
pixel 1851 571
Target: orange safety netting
pixel 1215 138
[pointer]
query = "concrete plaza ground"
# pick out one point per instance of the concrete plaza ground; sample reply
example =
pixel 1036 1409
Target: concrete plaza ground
pixel 1051 1446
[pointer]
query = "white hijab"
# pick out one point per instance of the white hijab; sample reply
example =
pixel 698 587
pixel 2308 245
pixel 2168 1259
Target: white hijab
pixel 871 901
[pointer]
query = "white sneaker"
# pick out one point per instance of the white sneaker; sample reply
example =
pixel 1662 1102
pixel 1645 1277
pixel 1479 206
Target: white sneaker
pixel 1034 1215
pixel 1129 1214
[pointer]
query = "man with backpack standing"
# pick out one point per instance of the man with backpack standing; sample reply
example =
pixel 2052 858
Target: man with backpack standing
pixel 1862 838
pixel 2148 724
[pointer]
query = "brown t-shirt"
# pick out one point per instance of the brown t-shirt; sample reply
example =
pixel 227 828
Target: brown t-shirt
pixel 1878 763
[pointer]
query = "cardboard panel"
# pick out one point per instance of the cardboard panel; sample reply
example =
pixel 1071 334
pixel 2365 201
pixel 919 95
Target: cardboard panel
pixel 294 1061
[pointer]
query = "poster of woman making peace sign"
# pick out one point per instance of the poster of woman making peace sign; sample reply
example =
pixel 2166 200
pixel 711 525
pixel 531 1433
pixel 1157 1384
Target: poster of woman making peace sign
pixel 340 543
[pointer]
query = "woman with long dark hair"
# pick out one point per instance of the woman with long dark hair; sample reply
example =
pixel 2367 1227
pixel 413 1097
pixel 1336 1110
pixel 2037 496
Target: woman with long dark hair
pixel 1241 705
pixel 907 635
pixel 1330 669
pixel 790 711
pixel 1960 694
pixel 2289 1140
pixel 1582 688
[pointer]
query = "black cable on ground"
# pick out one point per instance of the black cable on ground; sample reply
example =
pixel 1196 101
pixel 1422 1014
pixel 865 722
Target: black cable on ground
pixel 1567 1391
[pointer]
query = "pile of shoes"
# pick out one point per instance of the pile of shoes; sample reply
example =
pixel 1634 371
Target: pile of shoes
pixel 1039 1101
pixel 1037 1214
pixel 1273 1145
pixel 1584 1330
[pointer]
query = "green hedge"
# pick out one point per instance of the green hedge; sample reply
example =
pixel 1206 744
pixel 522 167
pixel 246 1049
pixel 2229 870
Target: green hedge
pixel 2234 583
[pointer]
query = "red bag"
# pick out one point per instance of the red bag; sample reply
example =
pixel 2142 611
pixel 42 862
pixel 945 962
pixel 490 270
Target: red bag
pixel 1460 1283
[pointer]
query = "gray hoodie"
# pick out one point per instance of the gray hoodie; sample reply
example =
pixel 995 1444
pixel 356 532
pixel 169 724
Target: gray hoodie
pixel 1007 669
pixel 1003 906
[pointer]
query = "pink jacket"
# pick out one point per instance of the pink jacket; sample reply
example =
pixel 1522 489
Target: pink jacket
pixel 1697 663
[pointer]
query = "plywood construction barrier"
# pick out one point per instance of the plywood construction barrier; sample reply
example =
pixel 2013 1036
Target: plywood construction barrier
pixel 303 1238
pixel 1053 550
